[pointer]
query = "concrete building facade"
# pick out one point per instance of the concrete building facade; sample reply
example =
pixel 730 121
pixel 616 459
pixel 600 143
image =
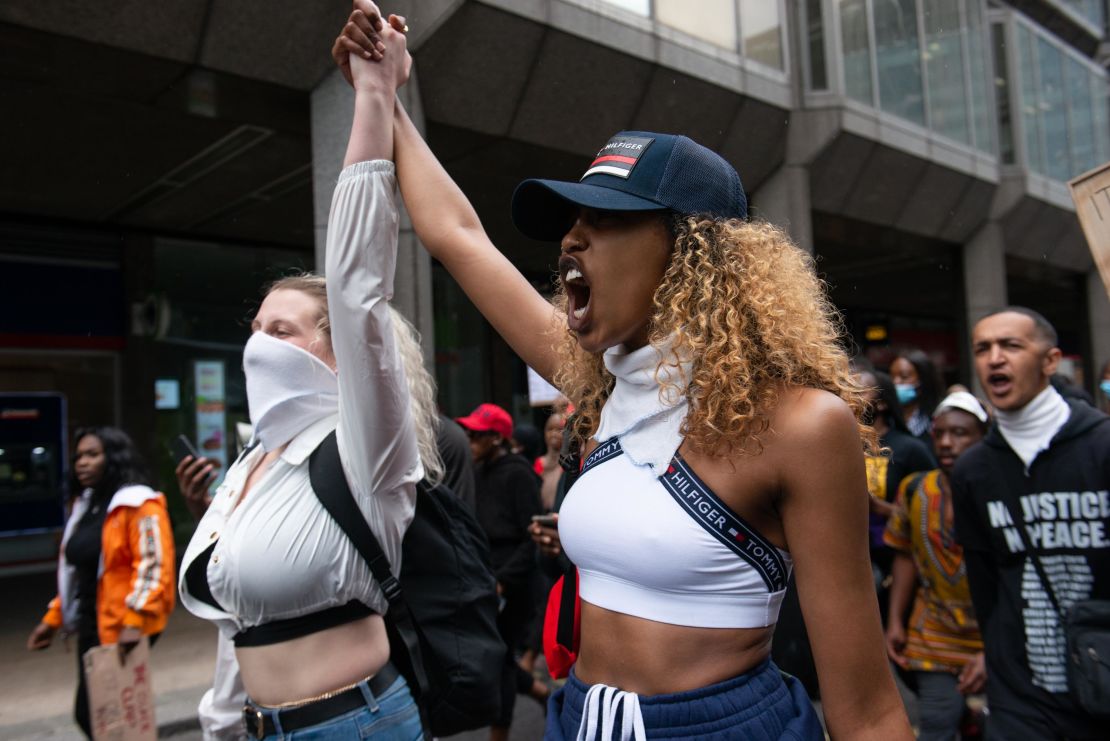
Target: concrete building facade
pixel 161 161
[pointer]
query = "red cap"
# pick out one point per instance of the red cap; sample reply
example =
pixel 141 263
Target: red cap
pixel 489 418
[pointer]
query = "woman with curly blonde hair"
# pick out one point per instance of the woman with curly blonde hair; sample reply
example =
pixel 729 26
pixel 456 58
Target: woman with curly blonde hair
pixel 722 440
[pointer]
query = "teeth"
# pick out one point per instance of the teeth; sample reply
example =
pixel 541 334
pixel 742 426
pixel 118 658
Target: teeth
pixel 579 313
pixel 573 274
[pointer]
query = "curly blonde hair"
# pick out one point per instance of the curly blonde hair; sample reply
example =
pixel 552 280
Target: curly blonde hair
pixel 745 303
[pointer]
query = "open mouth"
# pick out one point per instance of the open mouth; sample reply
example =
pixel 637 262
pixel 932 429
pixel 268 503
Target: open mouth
pixel 578 291
pixel 999 383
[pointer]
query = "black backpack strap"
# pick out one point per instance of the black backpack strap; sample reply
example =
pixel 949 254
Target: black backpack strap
pixel 245 451
pixel 1019 522
pixel 325 471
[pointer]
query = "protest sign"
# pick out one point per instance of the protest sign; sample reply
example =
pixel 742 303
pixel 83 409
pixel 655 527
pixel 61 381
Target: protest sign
pixel 121 698
pixel 1091 193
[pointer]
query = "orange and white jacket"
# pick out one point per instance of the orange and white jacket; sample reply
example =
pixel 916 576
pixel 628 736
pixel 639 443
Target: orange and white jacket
pixel 137 585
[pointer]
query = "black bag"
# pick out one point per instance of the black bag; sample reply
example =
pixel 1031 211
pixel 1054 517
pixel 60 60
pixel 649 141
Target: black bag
pixel 443 626
pixel 1088 639
pixel 1086 627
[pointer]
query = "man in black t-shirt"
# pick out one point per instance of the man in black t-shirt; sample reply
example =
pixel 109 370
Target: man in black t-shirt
pixel 507 495
pixel 1045 466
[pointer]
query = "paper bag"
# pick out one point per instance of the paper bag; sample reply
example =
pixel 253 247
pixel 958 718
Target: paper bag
pixel 121 699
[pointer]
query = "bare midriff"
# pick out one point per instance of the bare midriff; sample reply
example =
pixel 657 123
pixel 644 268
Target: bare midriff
pixel 312 665
pixel 652 658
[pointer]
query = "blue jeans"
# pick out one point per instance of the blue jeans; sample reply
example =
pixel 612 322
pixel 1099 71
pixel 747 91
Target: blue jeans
pixel 391 716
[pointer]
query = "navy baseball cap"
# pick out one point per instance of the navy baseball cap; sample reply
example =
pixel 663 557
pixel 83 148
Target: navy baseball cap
pixel 635 171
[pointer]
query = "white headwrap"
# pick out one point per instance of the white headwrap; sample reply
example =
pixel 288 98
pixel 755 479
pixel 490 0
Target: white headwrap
pixel 288 389
pixel 646 420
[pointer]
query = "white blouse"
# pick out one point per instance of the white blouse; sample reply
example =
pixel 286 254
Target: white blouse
pixel 279 554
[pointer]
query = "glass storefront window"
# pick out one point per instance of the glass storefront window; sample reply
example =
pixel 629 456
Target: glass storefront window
pixel 1030 121
pixel 979 75
pixel 761 29
pixel 711 20
pixel 945 66
pixel 1100 109
pixel 1053 112
pixel 815 40
pixel 1063 100
pixel 461 337
pixel 1082 135
pixel 898 59
pixel 1002 94
pixel 855 44
pixel 924 54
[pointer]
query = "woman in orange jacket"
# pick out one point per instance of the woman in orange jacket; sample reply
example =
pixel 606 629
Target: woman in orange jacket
pixel 116 565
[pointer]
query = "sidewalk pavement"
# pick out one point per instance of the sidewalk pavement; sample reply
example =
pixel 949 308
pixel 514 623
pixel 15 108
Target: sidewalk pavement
pixel 36 688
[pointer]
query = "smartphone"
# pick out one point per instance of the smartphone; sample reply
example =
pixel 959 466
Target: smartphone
pixel 182 446
pixel 546 520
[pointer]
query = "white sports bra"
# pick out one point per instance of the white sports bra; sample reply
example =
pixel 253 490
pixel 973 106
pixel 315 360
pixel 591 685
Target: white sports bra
pixel 667 548
pixel 649 538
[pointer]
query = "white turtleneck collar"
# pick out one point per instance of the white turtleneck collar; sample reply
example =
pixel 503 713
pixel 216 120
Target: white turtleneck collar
pixel 646 419
pixel 1030 429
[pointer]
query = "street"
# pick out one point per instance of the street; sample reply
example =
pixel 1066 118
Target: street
pixel 36 688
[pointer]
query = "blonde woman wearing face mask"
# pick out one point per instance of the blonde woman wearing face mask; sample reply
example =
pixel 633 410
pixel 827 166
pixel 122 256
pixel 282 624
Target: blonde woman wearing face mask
pixel 268 564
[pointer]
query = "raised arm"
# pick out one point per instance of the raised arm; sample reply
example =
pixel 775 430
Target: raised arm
pixel 377 440
pixel 450 229
pixel 824 512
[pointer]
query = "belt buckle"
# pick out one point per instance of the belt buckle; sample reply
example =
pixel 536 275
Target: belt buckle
pixel 255 721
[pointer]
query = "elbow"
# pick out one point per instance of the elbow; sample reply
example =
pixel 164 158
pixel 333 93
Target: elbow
pixel 889 725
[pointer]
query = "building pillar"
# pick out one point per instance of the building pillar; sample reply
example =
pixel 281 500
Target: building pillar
pixel 984 268
pixel 784 200
pixel 332 104
pixel 1098 316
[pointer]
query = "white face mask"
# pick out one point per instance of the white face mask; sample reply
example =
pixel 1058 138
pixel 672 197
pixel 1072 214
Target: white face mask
pixel 288 389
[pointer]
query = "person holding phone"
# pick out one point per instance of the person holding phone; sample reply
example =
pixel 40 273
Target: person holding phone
pixel 195 474
pixel 116 563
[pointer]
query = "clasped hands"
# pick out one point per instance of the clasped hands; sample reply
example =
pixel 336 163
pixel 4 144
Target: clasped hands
pixel 370 51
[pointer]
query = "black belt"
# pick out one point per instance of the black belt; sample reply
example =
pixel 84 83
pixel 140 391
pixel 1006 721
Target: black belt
pixel 260 722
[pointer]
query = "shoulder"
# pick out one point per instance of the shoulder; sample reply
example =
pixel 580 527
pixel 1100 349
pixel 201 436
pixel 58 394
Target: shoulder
pixel 807 416
pixel 915 480
pixel 904 442
pixel 1086 422
pixel 976 458
pixel 137 497
pixel 515 466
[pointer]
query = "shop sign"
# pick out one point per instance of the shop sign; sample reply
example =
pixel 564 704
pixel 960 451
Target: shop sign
pixel 167 393
pixel 211 411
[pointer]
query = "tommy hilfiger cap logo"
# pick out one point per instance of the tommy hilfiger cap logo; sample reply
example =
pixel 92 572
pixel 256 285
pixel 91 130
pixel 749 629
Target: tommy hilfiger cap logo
pixel 619 156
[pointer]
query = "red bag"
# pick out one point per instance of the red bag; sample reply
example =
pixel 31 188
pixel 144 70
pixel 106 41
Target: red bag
pixel 561 625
